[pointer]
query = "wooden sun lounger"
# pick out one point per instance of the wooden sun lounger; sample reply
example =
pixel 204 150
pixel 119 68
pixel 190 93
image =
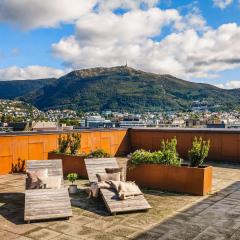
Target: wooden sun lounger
pixel 47 203
pixel 113 203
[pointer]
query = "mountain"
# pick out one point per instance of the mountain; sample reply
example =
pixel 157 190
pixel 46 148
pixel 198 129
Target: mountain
pixel 13 89
pixel 125 88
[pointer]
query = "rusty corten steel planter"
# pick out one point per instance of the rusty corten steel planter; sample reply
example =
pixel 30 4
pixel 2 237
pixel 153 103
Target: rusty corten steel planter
pixel 71 163
pixel 193 180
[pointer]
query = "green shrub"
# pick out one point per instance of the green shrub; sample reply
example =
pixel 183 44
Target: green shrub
pixel 143 156
pixel 199 151
pixel 70 143
pixel 74 143
pixel 99 153
pixel 72 177
pixel 63 142
pixel 169 152
pixel 167 155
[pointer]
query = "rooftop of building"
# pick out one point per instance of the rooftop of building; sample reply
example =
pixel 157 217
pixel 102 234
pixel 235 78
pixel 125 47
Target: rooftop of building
pixel 173 216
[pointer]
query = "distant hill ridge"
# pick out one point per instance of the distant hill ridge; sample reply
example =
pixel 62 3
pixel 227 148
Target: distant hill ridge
pixel 121 88
pixel 16 88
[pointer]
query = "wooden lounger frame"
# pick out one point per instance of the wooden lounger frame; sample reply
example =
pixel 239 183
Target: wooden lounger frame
pixel 47 203
pixel 112 202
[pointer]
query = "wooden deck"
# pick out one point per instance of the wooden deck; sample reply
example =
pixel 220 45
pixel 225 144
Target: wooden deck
pixel 54 166
pixel 98 165
pixel 110 197
pixel 47 203
pixel 115 205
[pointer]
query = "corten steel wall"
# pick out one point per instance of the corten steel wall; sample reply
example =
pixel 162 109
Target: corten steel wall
pixel 36 146
pixel 225 143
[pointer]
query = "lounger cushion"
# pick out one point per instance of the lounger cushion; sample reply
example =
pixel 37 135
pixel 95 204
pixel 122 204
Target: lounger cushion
pixel 116 170
pixel 108 177
pixel 35 178
pixel 53 182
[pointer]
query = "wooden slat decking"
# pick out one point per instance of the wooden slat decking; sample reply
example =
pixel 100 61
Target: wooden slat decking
pixel 54 166
pixel 115 205
pixel 47 203
pixel 98 165
pixel 112 202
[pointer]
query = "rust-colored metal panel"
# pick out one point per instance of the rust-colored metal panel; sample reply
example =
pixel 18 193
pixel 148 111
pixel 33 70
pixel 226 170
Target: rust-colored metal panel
pixel 50 142
pixel 36 138
pixel 5 164
pixel 95 140
pixel 216 143
pixel 105 144
pixel 84 140
pixel 224 145
pixel 180 179
pixel 35 151
pixel 230 146
pixel 5 146
pixel 71 164
pixel 20 148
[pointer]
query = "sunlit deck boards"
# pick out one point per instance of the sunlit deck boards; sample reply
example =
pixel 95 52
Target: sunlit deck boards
pixel 53 166
pixel 47 203
pixel 112 202
pixel 98 165
pixel 115 205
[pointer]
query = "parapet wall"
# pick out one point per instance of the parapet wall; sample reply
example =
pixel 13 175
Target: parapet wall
pixel 225 144
pixel 36 146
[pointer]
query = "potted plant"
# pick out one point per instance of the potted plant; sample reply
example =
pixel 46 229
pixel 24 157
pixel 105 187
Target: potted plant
pixel 72 177
pixel 199 151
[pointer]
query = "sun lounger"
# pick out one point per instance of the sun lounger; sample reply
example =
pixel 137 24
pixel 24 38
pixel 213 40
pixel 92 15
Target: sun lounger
pixel 47 203
pixel 113 203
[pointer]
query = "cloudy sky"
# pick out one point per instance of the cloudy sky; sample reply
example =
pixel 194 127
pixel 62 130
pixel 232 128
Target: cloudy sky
pixel 194 40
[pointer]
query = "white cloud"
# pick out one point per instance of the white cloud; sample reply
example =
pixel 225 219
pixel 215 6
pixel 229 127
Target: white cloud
pixel 30 72
pixel 192 20
pixel 30 14
pixel 103 38
pixel 193 49
pixel 222 4
pixel 229 85
pixel 108 39
pixel 108 28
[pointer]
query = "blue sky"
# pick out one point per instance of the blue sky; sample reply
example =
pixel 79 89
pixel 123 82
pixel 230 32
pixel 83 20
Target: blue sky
pixel 193 40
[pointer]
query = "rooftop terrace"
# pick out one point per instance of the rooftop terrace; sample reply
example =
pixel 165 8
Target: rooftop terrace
pixel 173 216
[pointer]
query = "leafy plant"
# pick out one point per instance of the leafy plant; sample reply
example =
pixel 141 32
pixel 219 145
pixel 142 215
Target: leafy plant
pixel 199 151
pixel 167 155
pixel 169 152
pixel 72 177
pixel 63 142
pixel 74 143
pixel 143 156
pixel 18 167
pixel 99 153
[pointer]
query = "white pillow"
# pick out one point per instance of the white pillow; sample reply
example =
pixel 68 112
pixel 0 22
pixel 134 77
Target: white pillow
pixel 53 182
